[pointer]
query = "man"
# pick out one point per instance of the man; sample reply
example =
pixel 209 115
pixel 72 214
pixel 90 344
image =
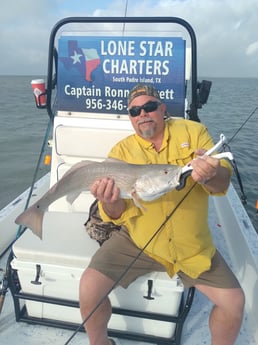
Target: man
pixel 184 245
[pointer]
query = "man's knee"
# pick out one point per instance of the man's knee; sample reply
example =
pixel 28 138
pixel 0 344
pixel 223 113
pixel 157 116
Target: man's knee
pixel 234 301
pixel 230 299
pixel 94 284
pixel 238 300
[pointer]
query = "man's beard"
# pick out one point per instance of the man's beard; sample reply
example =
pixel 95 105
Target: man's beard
pixel 147 133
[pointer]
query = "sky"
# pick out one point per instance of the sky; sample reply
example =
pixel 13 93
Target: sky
pixel 226 31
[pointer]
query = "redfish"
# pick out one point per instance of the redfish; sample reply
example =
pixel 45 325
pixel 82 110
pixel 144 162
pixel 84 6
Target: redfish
pixel 146 182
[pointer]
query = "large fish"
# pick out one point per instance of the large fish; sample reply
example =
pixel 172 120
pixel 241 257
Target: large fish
pixel 145 182
pixel 135 181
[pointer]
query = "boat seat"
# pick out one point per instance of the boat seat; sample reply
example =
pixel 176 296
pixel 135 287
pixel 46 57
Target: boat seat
pixel 49 273
pixel 71 138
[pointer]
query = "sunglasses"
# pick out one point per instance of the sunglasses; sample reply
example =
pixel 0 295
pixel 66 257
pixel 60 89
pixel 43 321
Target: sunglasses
pixel 147 107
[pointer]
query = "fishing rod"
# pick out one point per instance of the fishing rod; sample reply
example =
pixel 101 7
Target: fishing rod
pixel 218 145
pixel 131 264
pixel 4 282
pixel 243 196
pixel 243 124
pixel 3 289
pixel 4 285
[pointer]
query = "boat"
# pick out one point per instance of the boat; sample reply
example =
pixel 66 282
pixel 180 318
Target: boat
pixel 39 278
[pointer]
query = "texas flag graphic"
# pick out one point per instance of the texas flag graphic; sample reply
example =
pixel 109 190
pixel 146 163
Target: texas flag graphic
pixel 85 60
pixel 92 61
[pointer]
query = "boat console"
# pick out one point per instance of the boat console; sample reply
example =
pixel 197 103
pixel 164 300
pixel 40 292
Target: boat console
pixel 90 73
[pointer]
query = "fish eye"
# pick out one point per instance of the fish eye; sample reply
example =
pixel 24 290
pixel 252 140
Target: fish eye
pixel 165 172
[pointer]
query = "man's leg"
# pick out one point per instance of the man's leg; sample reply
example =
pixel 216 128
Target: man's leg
pixel 107 266
pixel 93 286
pixel 226 315
pixel 222 288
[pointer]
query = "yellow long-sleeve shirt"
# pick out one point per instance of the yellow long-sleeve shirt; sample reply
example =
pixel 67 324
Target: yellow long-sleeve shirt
pixel 184 242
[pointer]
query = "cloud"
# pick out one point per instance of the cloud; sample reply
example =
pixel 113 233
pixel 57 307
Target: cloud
pixel 224 30
pixel 252 49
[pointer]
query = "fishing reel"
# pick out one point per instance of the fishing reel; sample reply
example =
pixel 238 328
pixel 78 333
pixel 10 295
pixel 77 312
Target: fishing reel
pixel 3 287
pixel 8 280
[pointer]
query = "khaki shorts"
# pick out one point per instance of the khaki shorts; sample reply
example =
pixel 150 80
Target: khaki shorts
pixel 120 260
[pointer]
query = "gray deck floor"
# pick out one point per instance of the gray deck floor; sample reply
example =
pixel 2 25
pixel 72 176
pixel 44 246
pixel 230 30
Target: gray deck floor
pixel 195 330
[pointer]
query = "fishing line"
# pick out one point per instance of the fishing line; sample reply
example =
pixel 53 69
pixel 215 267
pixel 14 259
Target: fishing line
pixel 243 196
pixel 131 264
pixel 149 241
pixel 243 124
pixel 21 229
pixel 126 6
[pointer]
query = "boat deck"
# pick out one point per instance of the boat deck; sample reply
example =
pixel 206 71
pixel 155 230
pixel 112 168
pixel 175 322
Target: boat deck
pixel 74 130
pixel 195 330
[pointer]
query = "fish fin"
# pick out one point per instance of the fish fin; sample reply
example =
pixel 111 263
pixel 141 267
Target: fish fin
pixel 113 160
pixel 32 218
pixel 71 197
pixel 78 165
pixel 136 200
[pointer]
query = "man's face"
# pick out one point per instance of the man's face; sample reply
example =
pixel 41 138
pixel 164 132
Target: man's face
pixel 148 124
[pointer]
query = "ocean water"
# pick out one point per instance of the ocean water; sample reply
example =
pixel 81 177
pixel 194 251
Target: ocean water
pixel 22 130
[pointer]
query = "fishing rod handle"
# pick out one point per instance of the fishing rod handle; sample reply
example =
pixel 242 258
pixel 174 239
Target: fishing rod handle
pixel 187 169
pixel 217 146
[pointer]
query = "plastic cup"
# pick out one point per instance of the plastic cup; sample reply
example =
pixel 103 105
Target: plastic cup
pixel 38 87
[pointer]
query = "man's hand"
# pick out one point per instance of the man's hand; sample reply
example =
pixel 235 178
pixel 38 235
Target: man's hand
pixel 108 193
pixel 105 190
pixel 207 170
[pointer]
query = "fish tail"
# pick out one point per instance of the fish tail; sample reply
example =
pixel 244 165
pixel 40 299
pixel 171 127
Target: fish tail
pixel 33 219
